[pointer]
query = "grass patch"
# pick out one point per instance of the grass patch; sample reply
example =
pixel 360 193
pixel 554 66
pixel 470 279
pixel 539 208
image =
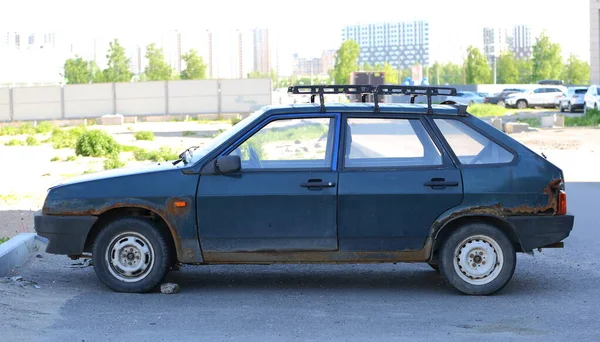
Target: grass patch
pixel 144 135
pixel 591 118
pixel 14 142
pixel 55 159
pixel 89 171
pixel 162 154
pixel 532 122
pixel 65 138
pixel 113 163
pixel 234 121
pixel 27 128
pixel 96 143
pixel 129 148
pixel 484 110
pixel 32 141
pixel 188 133
pixel 71 158
pixel 3 239
pixel 44 127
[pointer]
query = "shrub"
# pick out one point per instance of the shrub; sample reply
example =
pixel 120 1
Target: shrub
pixel 96 143
pixel 32 141
pixel 235 120
pixel 113 163
pixel 44 127
pixel 163 154
pixel 55 159
pixel 26 128
pixel 591 118
pixel 3 239
pixel 144 135
pixel 14 142
pixel 66 138
pixel 8 130
pixel 71 158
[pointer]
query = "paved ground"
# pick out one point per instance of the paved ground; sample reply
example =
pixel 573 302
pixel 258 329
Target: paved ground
pixel 552 297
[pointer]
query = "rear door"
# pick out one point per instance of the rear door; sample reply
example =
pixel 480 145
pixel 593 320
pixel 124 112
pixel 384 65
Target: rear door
pixel 395 180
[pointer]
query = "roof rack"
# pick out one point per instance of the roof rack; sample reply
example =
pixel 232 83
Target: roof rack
pixel 313 90
pixel 413 92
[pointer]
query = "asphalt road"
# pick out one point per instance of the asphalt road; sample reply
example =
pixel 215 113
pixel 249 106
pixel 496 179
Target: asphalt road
pixel 554 296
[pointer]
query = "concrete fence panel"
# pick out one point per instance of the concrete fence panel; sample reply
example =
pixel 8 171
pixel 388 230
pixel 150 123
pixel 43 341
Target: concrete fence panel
pixel 245 95
pixel 141 98
pixel 37 103
pixel 88 100
pixel 193 97
pixel 4 104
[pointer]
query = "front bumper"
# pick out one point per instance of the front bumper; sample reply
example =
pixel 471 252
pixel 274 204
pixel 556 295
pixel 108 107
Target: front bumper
pixel 65 234
pixel 539 231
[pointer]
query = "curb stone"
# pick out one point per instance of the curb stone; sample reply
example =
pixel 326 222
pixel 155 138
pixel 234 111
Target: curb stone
pixel 16 251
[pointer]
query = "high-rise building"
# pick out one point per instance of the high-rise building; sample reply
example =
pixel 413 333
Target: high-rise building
pixel 314 66
pixel 402 44
pixel 595 41
pixel 262 51
pixel 495 42
pixel 520 41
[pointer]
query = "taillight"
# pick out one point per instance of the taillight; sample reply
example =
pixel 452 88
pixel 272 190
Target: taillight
pixel 562 203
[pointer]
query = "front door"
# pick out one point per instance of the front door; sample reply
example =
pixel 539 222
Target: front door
pixel 395 181
pixel 285 197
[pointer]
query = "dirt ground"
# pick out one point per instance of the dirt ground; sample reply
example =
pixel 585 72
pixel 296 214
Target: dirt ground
pixel 27 172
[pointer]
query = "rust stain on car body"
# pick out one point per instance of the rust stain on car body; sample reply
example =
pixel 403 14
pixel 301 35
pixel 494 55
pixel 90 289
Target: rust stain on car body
pixel 551 190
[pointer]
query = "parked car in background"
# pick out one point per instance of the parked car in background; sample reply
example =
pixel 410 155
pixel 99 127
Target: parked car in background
pixel 465 97
pixel 500 98
pixel 544 96
pixel 572 100
pixel 484 95
pixel 591 99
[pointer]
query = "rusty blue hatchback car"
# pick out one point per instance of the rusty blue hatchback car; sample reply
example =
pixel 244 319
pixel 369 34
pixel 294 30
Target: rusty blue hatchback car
pixel 319 182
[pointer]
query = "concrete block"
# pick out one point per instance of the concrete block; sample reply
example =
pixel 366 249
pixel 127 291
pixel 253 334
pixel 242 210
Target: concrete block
pixel 547 121
pixel 515 127
pixel 497 123
pixel 559 120
pixel 112 119
pixel 16 251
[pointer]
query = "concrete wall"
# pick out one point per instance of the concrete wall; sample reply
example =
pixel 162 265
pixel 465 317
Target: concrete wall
pixel 141 98
pixel 193 97
pixel 245 95
pixel 88 100
pixel 37 103
pixel 4 104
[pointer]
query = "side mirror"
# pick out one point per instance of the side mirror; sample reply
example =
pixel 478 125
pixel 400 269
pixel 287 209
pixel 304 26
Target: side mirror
pixel 228 164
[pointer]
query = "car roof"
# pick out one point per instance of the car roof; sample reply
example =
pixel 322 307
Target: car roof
pixel 388 108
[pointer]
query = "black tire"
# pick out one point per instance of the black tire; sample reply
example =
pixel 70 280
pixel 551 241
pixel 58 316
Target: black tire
pixel 136 235
pixel 570 108
pixel 481 237
pixel 522 104
pixel 501 103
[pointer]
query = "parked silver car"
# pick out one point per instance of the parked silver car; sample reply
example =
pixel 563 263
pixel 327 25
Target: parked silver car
pixel 591 99
pixel 465 98
pixel 572 100
pixel 543 96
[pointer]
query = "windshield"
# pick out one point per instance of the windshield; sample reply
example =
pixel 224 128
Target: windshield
pixel 221 138
pixel 580 91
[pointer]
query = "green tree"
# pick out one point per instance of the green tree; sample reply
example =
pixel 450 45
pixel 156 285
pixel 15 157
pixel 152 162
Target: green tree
pixel 158 69
pixel 507 69
pixel 195 68
pixel 525 67
pixel 76 71
pixel 346 61
pixel 477 69
pixel 118 64
pixel 547 60
pixel 576 71
pixel 451 73
pixel 391 75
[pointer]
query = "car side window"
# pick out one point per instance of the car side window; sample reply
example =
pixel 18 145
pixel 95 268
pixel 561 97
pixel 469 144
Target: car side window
pixel 539 90
pixel 289 144
pixel 470 146
pixel 388 143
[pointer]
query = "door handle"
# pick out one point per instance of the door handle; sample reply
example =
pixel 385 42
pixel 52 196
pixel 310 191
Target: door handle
pixel 440 183
pixel 317 183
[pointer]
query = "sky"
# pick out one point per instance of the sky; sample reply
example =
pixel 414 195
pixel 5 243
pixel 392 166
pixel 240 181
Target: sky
pixel 305 27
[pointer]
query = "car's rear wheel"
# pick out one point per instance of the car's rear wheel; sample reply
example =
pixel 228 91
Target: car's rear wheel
pixel 570 108
pixel 477 259
pixel 501 103
pixel 522 104
pixel 131 254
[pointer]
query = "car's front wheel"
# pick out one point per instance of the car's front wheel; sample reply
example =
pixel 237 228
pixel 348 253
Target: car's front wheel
pixel 477 259
pixel 522 104
pixel 131 254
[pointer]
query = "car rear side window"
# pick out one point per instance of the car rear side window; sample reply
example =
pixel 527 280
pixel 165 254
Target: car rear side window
pixel 470 146
pixel 388 143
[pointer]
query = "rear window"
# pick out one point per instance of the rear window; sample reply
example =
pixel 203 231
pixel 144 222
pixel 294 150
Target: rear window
pixel 580 91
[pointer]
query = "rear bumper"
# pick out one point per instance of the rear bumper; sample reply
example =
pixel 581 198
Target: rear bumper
pixel 65 234
pixel 539 231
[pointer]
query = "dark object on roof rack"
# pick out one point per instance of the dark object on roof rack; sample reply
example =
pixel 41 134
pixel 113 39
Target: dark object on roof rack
pixel 313 90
